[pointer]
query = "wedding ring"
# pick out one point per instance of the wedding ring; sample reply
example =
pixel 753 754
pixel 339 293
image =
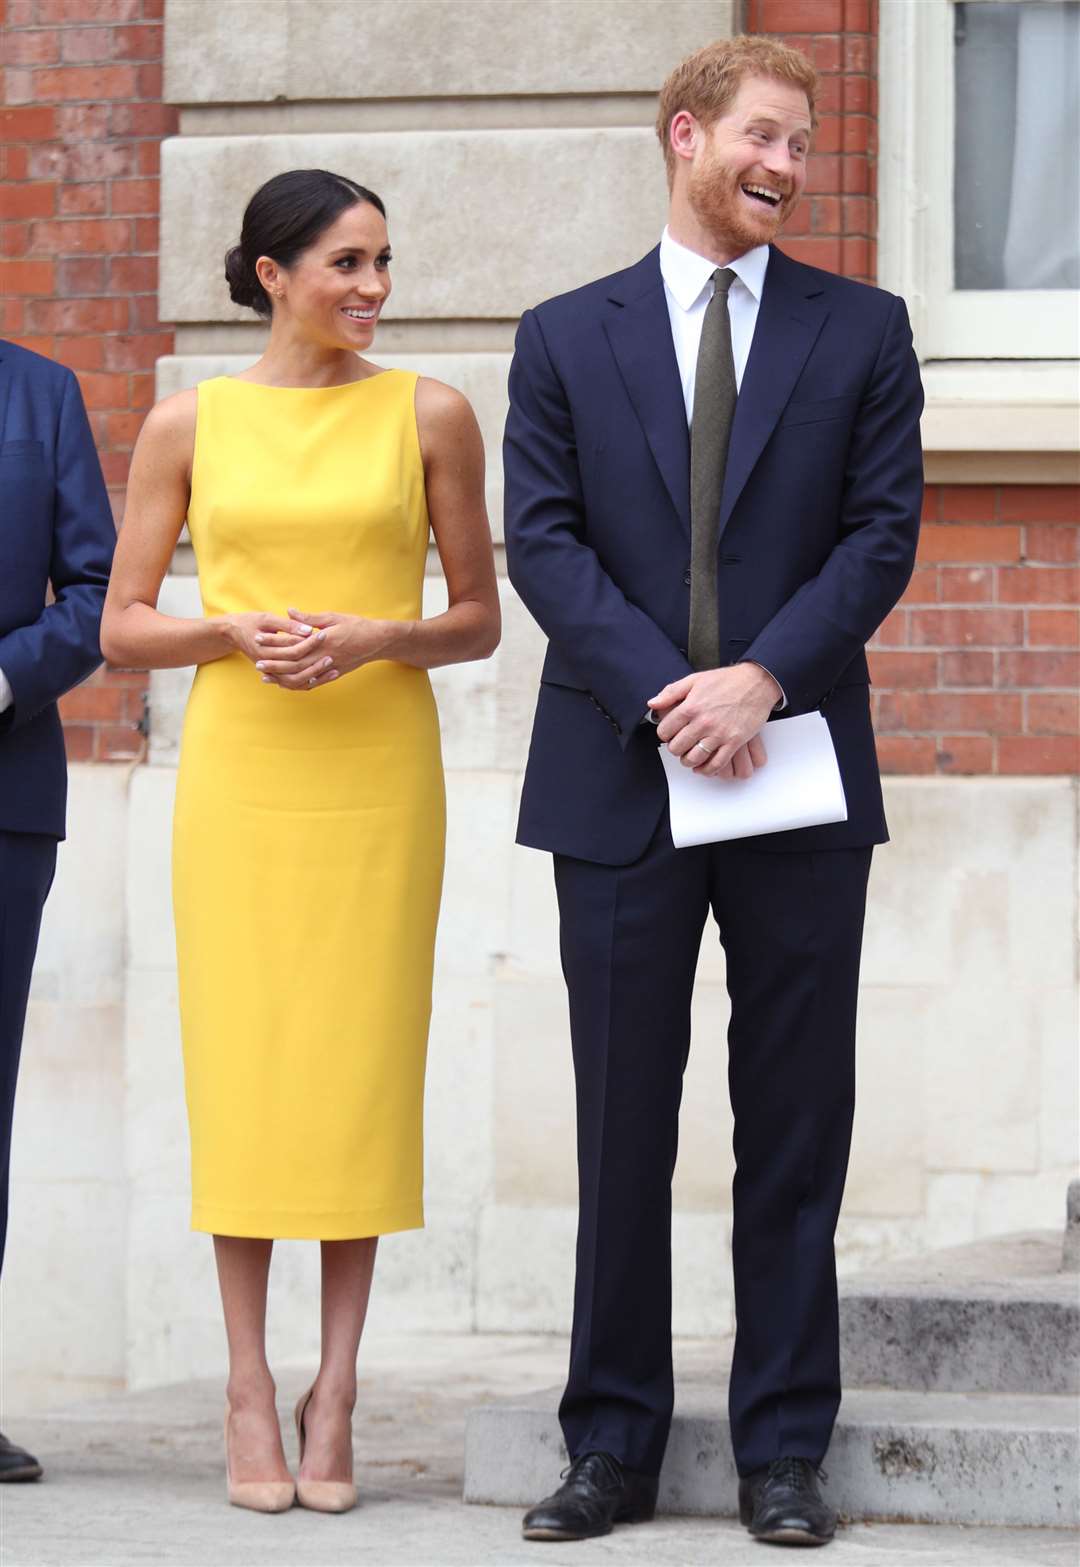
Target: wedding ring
pixel 697 746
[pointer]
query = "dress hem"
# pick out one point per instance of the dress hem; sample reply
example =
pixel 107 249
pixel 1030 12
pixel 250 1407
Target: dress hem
pixel 359 1225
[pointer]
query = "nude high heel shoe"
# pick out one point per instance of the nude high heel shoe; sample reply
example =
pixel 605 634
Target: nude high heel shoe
pixel 261 1496
pixel 321 1496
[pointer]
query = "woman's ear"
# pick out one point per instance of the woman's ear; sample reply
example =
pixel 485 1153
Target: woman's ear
pixel 270 276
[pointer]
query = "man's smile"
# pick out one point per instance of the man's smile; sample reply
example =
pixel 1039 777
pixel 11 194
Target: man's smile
pixel 766 194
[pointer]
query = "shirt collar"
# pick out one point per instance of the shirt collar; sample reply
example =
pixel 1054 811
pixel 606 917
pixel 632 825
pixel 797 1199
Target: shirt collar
pixel 686 273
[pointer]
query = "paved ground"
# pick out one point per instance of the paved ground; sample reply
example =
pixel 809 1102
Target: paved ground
pixel 138 1478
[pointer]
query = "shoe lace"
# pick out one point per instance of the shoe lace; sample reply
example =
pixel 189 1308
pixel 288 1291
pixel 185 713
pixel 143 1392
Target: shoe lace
pixel 600 1469
pixel 794 1471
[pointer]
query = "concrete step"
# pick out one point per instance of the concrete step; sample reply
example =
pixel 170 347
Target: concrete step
pixel 998 1316
pixel 956 1458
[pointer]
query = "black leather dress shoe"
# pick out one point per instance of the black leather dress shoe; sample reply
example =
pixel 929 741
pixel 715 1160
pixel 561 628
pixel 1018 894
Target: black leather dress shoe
pixel 16 1463
pixel 783 1505
pixel 596 1492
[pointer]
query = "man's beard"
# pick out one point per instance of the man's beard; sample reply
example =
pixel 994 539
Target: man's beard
pixel 720 208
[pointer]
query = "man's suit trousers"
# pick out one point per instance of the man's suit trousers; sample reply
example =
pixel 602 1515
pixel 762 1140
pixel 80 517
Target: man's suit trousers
pixel 791 927
pixel 27 863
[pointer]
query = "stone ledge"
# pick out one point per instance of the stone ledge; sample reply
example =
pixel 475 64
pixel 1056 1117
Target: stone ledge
pixel 568 111
pixel 917 1457
pixel 996 1316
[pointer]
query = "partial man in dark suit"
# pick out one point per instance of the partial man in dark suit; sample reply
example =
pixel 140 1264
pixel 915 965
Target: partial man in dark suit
pixel 55 528
pixel 713 486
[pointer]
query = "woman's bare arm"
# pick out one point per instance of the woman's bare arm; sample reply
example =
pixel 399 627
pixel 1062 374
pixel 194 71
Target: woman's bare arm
pixel 453 454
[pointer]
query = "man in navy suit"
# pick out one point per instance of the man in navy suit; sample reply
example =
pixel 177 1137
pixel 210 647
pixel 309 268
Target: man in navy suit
pixel 713 486
pixel 55 528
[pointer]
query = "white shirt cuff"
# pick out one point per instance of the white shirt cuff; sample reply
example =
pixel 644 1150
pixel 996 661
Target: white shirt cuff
pixel 778 707
pixel 6 695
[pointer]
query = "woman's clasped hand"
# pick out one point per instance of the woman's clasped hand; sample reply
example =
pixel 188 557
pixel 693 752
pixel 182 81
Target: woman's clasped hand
pixel 307 651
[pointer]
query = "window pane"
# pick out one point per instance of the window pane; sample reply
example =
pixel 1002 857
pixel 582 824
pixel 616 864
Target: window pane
pixel 1017 193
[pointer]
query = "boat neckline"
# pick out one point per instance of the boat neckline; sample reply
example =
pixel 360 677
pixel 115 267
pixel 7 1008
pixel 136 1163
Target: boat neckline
pixel 335 386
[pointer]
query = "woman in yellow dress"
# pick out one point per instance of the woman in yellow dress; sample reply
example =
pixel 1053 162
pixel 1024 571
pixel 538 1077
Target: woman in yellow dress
pixel 309 823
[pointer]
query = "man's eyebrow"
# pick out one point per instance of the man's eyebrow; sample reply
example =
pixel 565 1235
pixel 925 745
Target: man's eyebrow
pixel 768 119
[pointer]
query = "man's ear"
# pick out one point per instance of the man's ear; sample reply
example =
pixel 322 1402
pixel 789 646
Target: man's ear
pixel 684 134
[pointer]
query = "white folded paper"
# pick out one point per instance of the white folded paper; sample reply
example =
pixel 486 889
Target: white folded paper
pixel 799 786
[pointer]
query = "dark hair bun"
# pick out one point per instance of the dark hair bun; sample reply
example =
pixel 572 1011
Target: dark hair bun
pixel 281 220
pixel 244 285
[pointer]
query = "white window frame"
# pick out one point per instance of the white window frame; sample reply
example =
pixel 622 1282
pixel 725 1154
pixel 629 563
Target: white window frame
pixel 916 72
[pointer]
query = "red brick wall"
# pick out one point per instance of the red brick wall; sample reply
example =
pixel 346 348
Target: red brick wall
pixel 976 671
pixel 80 137
pixel 835 224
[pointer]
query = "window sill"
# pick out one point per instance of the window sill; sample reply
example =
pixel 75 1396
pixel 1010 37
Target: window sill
pixel 997 421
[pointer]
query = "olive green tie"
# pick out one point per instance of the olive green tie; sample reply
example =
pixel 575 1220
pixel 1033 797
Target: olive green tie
pixel 715 393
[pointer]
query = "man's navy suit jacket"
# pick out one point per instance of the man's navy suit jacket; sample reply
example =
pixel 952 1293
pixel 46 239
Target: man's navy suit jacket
pixel 55 527
pixel 818 529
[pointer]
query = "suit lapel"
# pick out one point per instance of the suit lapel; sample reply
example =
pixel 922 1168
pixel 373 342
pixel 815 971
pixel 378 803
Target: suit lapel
pixel 790 316
pixel 640 336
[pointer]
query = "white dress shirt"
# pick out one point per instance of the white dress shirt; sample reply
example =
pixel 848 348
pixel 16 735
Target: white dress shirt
pixel 6 697
pixel 688 288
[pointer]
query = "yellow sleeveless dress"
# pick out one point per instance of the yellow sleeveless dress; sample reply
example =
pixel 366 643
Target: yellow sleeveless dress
pixel 309 826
